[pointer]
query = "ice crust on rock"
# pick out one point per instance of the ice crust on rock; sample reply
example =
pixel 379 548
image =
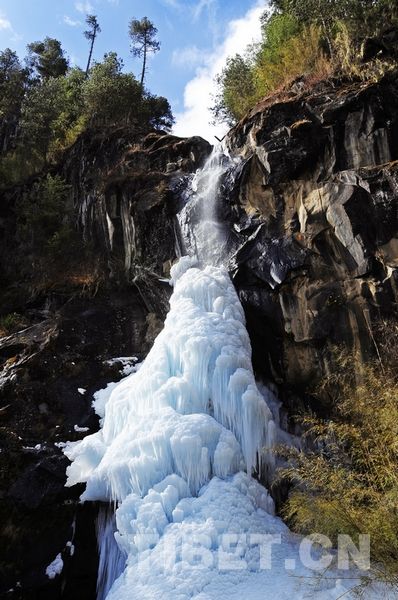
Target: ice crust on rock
pixel 55 568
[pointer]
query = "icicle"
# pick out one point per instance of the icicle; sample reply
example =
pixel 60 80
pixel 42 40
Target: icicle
pixel 111 559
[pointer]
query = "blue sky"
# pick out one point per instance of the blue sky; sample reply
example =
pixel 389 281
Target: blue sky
pixel 196 37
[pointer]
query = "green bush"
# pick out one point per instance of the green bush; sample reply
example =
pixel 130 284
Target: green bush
pixel 44 109
pixel 309 38
pixel 44 224
pixel 287 51
pixel 11 323
pixel 237 90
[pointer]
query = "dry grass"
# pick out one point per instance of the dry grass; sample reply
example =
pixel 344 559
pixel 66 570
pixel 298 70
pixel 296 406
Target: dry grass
pixel 346 481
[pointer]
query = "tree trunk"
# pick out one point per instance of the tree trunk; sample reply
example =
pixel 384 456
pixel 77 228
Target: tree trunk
pixel 143 70
pixel 90 55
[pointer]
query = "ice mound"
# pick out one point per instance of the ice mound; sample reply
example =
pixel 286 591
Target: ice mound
pixel 179 442
pixel 193 409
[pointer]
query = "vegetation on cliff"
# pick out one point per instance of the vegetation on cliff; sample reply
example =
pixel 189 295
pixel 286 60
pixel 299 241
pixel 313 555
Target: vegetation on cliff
pixel 312 39
pixel 45 104
pixel 345 481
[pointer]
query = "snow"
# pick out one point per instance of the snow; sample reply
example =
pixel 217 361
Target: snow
pixel 71 547
pixel 55 568
pixel 129 364
pixel 81 391
pixel 61 445
pixel 36 448
pixel 80 429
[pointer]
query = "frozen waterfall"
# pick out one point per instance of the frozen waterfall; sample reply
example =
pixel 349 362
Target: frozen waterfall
pixel 179 443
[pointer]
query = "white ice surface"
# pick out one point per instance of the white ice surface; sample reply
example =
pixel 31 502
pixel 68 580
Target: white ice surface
pixel 79 429
pixel 179 442
pixel 55 568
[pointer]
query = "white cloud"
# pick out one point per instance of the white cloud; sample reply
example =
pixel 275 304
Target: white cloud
pixel 84 7
pixel 195 118
pixel 200 6
pixel 5 25
pixel 4 22
pixel 71 22
pixel 188 57
pixel 172 3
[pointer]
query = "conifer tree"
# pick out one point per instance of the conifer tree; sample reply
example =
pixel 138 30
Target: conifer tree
pixel 143 41
pixel 91 34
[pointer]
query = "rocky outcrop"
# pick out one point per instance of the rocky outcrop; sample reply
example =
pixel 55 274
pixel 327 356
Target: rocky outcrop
pixel 123 186
pixel 49 373
pixel 317 206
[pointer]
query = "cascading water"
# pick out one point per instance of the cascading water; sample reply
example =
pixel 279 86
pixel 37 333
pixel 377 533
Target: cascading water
pixel 204 234
pixel 179 443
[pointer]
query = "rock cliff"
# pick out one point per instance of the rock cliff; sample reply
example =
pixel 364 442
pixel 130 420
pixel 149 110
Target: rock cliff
pixel 316 208
pixel 312 211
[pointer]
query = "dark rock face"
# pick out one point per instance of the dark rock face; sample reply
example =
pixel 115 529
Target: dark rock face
pixel 384 45
pixel 318 196
pixel 123 186
pixel 49 373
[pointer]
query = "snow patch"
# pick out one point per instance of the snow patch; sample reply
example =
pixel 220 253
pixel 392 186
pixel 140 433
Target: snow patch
pixel 80 429
pixel 55 568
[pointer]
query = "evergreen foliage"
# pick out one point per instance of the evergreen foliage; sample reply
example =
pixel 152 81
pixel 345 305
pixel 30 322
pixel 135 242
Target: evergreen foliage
pixel 143 41
pixel 309 38
pixel 47 58
pixel 91 34
pixel 46 105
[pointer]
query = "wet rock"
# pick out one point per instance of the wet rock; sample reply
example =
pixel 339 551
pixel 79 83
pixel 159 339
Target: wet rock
pixel 317 206
pixel 123 186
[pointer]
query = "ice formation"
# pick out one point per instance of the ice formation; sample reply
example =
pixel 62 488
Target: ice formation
pixel 179 443
pixel 192 410
pixel 55 568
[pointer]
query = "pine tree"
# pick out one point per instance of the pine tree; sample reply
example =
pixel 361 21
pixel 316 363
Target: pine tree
pixel 91 34
pixel 143 41
pixel 47 58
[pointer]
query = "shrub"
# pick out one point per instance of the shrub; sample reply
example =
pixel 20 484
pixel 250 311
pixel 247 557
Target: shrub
pixel 237 90
pixel 288 50
pixel 300 54
pixel 18 165
pixel 45 226
pixel 346 482
pixel 310 38
pixel 10 323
